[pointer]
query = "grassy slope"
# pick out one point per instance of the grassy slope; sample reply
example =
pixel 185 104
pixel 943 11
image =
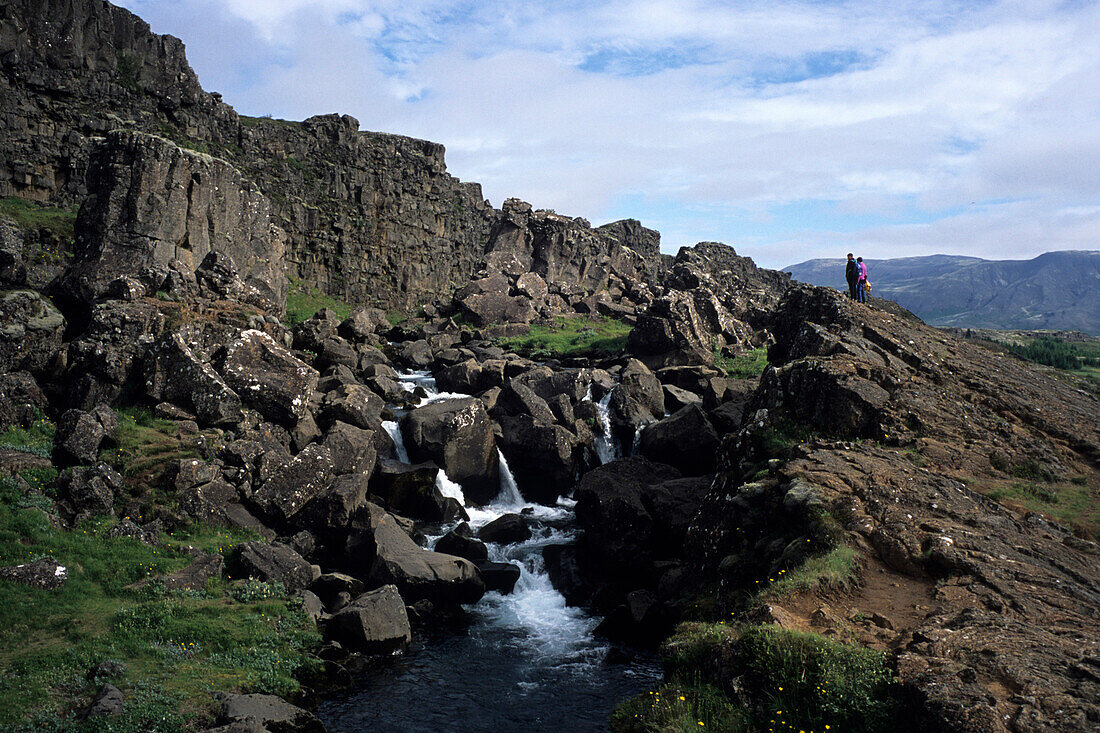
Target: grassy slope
pixel 176 647
pixel 571 336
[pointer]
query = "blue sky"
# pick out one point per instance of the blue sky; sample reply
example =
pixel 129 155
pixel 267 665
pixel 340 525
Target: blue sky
pixel 789 130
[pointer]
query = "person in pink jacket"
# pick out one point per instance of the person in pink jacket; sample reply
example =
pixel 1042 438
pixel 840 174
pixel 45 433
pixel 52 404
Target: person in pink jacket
pixel 861 283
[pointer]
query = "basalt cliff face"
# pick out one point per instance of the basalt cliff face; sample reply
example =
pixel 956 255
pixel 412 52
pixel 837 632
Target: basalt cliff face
pixel 867 431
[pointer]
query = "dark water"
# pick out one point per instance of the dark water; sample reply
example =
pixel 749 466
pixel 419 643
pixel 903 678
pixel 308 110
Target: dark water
pixel 487 681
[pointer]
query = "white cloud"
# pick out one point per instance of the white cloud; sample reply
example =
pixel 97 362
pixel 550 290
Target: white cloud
pixel 718 120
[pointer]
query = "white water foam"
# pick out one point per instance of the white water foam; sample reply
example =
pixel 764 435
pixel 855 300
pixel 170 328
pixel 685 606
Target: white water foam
pixel 391 427
pixel 607 448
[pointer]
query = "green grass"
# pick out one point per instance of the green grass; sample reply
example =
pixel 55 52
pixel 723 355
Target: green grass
pixel 571 336
pixel 678 707
pixel 834 569
pixel 176 647
pixel 1071 503
pixel 144 447
pixel 748 365
pixel 31 216
pixel 36 438
pixel 791 681
pixel 302 301
pixel 805 681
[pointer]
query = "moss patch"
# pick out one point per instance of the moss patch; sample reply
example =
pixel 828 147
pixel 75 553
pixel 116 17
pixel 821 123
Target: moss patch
pixel 836 568
pixel 1073 503
pixel 571 336
pixel 302 301
pixel 30 216
pixel 748 365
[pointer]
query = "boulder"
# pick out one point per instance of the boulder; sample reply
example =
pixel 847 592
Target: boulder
pixel 544 457
pixel 107 702
pixel 78 437
pixel 499 576
pixel 416 354
pixel 374 622
pixel 518 399
pixel 354 404
pixel 677 398
pixel 307 475
pixel 21 399
pixel 336 351
pixel 685 440
pixel 614 510
pixel 505 530
pixel 329 586
pixel 31 329
pixel 272 713
pixel 353 449
pixel 460 542
pixel 311 333
pixel 486 309
pixel 44 573
pixel 457 435
pixel 207 502
pixel 363 323
pixel 329 514
pixel 638 400
pixel 268 377
pixel 392 557
pixel 411 491
pixel 177 373
pixel 274 562
pixel 203 567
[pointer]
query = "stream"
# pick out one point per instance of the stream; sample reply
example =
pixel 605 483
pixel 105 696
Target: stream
pixel 525 662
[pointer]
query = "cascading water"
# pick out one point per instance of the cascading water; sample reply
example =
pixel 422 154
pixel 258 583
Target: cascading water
pixel 607 447
pixel 527 661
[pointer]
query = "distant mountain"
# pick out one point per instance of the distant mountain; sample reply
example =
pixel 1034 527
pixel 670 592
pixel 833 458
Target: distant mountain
pixel 1056 290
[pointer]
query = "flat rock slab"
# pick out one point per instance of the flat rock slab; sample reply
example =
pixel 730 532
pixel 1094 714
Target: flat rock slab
pixel 45 573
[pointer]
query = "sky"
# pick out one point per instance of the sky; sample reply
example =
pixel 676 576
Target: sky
pixel 789 130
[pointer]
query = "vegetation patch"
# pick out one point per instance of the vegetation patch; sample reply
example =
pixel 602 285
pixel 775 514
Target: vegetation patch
pixel 36 438
pixel 678 707
pixel 779 439
pixel 31 216
pixel 790 681
pixel 571 336
pixel 1073 503
pixel 749 365
pixel 834 569
pixel 1075 356
pixel 303 300
pixel 806 681
pixel 174 647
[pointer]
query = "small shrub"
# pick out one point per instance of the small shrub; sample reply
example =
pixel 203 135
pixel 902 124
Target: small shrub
pixel 256 590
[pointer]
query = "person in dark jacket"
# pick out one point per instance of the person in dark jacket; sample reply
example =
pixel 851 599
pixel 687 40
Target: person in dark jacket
pixel 851 274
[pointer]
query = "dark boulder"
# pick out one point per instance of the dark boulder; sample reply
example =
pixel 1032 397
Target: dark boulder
pixel 31 329
pixel 374 622
pixel 268 377
pixel 329 586
pixel 390 556
pixel 499 576
pixel 461 542
pixel 306 476
pixel 544 457
pixel 618 524
pixel 457 435
pixel 107 702
pixel 273 562
pixel 311 333
pixel 44 573
pixel 271 713
pixel 411 491
pixel 78 437
pixel 677 398
pixel 505 530
pixel 353 449
pixel 637 401
pixel 363 323
pixel 21 399
pixel 354 404
pixel 685 440
pixel 177 372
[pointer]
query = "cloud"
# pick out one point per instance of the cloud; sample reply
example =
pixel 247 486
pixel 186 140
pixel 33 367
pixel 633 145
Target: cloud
pixel 784 128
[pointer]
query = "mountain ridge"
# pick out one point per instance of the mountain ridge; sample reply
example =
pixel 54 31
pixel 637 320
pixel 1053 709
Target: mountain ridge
pixel 1058 290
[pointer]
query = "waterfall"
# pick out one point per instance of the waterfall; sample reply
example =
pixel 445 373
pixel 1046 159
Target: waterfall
pixel 449 488
pixel 607 448
pixel 394 430
pixel 509 495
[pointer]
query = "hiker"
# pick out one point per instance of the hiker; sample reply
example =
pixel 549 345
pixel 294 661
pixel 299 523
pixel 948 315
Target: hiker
pixel 851 274
pixel 861 284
